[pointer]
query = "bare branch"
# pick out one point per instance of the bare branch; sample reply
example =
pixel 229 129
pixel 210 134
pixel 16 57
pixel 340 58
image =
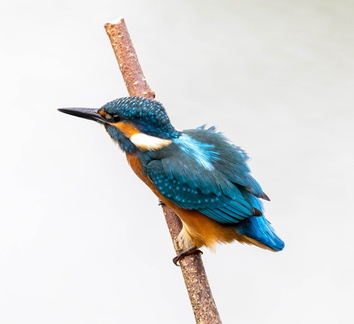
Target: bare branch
pixel 128 60
pixel 193 271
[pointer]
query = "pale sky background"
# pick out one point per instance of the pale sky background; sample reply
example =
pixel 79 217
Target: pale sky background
pixel 83 241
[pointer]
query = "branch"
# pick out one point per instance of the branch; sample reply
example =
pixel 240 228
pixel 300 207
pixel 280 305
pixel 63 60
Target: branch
pixel 192 267
pixel 128 60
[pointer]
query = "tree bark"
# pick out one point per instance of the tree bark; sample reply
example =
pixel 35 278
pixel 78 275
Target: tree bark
pixel 192 267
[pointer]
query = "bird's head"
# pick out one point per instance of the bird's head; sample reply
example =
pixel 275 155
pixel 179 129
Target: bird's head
pixel 135 123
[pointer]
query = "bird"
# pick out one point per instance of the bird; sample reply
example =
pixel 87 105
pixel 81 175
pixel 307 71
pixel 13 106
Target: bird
pixel 200 174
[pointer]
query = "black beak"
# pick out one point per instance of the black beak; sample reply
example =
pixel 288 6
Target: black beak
pixel 87 113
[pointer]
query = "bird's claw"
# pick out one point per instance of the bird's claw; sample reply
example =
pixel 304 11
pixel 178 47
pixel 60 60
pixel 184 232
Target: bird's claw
pixel 181 255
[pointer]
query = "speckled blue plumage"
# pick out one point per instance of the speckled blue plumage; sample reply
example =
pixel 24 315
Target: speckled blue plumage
pixel 223 190
pixel 148 115
pixel 200 170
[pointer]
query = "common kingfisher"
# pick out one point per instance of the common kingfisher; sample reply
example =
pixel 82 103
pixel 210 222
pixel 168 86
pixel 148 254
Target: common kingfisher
pixel 198 173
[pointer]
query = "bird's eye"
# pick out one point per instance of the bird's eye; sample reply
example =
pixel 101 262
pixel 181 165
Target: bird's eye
pixel 116 118
pixel 112 118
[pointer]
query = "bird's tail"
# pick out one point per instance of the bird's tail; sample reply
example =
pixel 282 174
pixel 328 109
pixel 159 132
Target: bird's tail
pixel 258 230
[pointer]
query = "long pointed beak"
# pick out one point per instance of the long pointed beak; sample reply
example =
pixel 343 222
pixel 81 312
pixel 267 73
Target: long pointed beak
pixel 87 113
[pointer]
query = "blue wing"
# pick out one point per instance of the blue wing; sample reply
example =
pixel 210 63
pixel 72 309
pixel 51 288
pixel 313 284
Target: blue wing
pixel 201 170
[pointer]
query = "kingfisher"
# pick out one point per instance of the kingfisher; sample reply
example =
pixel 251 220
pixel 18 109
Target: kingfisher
pixel 198 173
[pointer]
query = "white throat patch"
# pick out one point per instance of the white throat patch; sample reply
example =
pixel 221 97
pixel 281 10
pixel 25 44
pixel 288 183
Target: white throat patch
pixel 149 143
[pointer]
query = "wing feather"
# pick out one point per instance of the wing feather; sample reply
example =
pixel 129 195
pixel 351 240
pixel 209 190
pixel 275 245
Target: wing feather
pixel 202 171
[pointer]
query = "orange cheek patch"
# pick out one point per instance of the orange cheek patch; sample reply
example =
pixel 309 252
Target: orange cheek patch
pixel 102 113
pixel 126 128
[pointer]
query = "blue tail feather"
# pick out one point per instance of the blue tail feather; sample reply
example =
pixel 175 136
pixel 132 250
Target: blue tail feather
pixel 259 229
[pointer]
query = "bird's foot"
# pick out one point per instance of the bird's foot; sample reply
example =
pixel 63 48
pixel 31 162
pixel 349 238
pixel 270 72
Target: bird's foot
pixel 184 253
pixel 161 203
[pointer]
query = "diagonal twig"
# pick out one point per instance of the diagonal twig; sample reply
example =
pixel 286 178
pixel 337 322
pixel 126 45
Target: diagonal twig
pixel 192 267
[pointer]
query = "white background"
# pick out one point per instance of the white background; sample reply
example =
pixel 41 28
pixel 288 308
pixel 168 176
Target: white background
pixel 83 241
